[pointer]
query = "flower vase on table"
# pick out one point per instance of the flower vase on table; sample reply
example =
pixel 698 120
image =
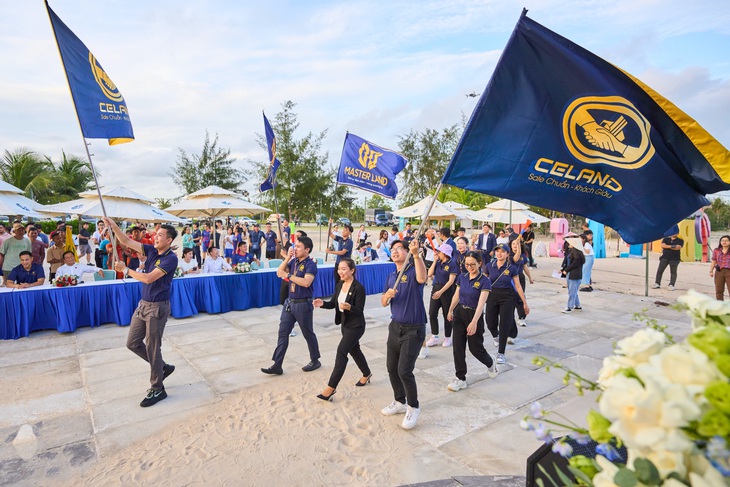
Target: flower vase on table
pixel 65 281
pixel 242 268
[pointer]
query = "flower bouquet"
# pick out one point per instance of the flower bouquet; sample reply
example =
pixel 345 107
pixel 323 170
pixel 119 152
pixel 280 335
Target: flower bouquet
pixel 65 280
pixel 178 273
pixel 242 267
pixel 667 403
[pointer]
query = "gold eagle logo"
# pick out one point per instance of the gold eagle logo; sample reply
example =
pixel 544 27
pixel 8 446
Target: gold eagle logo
pixel 367 157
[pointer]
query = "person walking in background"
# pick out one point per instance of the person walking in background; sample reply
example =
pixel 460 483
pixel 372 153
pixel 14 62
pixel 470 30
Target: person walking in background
pixel 485 243
pixel 84 246
pixel 345 248
pixel 197 241
pixel 444 272
pixel 348 301
pixel 588 266
pixel 720 267
pixel 671 250
pixel 466 312
pixel 574 272
pixel 406 331
pixel 520 259
pixel 381 246
pixel 528 237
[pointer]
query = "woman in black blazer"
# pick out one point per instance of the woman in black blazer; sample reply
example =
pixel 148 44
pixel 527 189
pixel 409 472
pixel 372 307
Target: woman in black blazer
pixel 349 303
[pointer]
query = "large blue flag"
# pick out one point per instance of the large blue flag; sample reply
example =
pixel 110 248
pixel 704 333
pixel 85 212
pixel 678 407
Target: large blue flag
pixel 560 128
pixel 99 104
pixel 367 166
pixel 274 163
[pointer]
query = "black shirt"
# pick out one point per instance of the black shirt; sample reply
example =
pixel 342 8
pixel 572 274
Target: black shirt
pixel 84 236
pixel 669 254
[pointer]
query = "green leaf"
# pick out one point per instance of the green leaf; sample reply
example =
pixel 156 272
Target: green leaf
pixel 625 478
pixel 581 475
pixel 675 476
pixel 564 478
pixel 646 472
pixel 542 469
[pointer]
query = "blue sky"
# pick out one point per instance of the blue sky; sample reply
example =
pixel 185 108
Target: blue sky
pixel 375 68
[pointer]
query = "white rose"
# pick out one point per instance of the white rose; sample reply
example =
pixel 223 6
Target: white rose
pixel 681 364
pixel 667 462
pixel 612 365
pixel 641 345
pixel 604 478
pixel 703 474
pixel 701 306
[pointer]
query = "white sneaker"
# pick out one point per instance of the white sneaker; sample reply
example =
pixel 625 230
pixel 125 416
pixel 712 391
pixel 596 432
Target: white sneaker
pixel 293 333
pixel 424 352
pixel 433 341
pixel 457 385
pixel 655 286
pixel 447 342
pixel 501 359
pixel 411 418
pixel 523 323
pixel 394 407
pixel 671 288
pixel 510 341
pixel 493 371
pixel 496 342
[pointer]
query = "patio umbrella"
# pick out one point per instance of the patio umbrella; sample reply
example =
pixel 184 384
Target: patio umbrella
pixel 438 212
pixel 518 217
pixel 12 202
pixel 213 202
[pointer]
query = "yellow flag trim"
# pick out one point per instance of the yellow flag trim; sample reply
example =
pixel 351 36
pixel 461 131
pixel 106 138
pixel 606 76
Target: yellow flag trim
pixel 120 140
pixel 712 150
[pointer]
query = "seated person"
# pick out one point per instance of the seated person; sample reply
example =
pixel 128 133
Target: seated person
pixel 187 263
pixel 214 263
pixel 72 268
pixel 27 274
pixel 365 255
pixel 241 255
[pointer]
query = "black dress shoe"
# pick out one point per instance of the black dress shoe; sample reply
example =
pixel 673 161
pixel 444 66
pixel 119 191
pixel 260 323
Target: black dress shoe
pixel 273 370
pixel 313 365
pixel 367 381
pixel 326 398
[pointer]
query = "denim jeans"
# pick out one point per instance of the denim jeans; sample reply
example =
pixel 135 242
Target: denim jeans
pixel 573 300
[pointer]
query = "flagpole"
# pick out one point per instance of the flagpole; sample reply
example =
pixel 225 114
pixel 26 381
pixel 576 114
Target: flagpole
pixel 424 219
pixel 329 228
pixel 78 119
pixel 278 215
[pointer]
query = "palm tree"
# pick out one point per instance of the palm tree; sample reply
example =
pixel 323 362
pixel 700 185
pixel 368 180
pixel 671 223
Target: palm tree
pixel 28 171
pixel 70 177
pixel 163 203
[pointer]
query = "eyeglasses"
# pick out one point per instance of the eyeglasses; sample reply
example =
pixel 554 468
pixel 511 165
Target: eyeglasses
pixel 471 265
pixel 397 249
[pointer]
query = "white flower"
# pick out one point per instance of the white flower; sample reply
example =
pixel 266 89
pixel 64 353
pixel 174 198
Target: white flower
pixel 667 462
pixel 612 365
pixel 702 474
pixel 641 345
pixel 604 478
pixel 701 306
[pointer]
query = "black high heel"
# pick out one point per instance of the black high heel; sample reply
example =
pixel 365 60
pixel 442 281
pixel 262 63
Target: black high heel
pixel 362 384
pixel 326 398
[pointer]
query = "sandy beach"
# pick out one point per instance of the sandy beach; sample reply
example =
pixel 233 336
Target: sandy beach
pixel 226 423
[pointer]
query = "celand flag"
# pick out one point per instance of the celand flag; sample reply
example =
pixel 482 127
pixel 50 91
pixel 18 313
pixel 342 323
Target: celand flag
pixel 100 106
pixel 274 163
pixel 560 128
pixel 370 167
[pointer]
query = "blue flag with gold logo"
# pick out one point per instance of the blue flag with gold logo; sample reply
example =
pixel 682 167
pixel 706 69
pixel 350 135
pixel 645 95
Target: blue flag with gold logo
pixel 370 167
pixel 274 163
pixel 560 128
pixel 99 104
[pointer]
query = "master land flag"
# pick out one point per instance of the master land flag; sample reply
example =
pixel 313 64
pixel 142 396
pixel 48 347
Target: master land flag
pixel 560 128
pixel 369 167
pixel 100 106
pixel 274 163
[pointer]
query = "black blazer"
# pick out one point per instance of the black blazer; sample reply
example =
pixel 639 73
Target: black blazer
pixel 355 298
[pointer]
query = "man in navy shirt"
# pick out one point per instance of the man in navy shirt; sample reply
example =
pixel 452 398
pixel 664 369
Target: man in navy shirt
pixel 27 274
pixel 407 329
pixel 300 270
pixel 254 237
pixel 345 246
pixel 150 317
pixel 197 241
pixel 271 241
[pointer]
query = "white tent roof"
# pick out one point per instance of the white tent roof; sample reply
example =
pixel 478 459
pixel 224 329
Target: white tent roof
pixel 116 192
pixel 17 204
pixel 504 204
pixel 117 208
pixel 9 188
pixel 213 191
pixel 214 201
pixel 439 210
pixel 517 217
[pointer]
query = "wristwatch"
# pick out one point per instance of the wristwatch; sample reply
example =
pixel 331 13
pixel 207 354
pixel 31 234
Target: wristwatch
pixel 288 276
pixel 126 272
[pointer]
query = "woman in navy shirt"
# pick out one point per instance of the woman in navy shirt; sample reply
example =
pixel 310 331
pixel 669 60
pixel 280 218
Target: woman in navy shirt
pixel 504 277
pixel 520 258
pixel 465 313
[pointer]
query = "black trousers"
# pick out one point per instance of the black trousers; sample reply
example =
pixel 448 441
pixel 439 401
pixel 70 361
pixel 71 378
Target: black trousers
pixel 350 343
pixel 663 263
pixel 443 304
pixel 462 318
pixel 270 254
pixel 519 305
pixel 283 292
pixel 528 251
pixel 196 254
pixel 404 344
pixel 257 253
pixel 298 313
pixel 501 315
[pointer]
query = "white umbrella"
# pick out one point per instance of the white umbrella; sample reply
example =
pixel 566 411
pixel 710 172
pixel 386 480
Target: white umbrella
pixel 12 202
pixel 505 204
pixel 116 192
pixel 518 217
pixel 438 212
pixel 214 201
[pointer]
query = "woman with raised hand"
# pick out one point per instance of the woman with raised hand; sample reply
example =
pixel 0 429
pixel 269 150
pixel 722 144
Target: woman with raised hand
pixel 348 302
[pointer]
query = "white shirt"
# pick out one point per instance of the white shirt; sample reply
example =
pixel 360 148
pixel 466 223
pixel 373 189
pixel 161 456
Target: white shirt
pixel 588 248
pixel 77 270
pixel 215 266
pixel 502 240
pixel 380 247
pixel 188 266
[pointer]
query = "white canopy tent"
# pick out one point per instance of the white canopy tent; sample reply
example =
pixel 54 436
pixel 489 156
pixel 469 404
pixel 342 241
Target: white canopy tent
pixel 12 202
pixel 438 212
pixel 507 211
pixel 214 201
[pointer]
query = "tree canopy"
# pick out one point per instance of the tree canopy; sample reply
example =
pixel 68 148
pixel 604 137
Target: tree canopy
pixel 213 166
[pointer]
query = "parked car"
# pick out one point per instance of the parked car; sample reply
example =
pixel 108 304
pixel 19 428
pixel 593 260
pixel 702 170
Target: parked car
pixel 344 221
pixel 247 220
pixel 322 220
pixel 381 220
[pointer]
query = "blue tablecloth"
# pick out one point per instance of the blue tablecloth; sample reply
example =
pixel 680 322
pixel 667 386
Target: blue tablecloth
pixel 92 304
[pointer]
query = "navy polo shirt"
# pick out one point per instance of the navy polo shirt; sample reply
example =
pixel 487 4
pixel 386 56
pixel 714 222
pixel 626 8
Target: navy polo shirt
pixel 237 258
pixel 300 269
pixel 461 261
pixel 167 263
pixel 20 276
pixel 406 307
pixel 270 240
pixel 471 289
pixel 501 277
pixel 520 263
pixel 346 245
pixel 255 238
pixel 444 270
